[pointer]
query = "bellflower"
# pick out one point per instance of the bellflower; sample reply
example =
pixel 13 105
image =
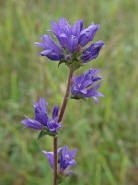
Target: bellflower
pixel 84 85
pixel 41 120
pixel 92 51
pixel 67 36
pixel 50 48
pixel 66 158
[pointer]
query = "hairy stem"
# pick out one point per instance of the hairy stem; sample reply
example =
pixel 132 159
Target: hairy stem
pixel 59 120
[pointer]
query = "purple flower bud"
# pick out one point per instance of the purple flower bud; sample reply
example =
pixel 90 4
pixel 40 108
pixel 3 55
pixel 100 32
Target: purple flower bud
pixel 92 51
pixel 67 57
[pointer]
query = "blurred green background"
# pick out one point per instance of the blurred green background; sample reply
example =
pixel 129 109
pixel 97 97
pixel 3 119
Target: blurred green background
pixel 104 134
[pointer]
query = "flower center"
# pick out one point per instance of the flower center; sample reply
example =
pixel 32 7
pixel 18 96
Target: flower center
pixel 67 156
pixel 73 36
pixel 79 85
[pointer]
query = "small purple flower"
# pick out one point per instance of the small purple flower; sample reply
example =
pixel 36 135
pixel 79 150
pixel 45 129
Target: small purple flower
pixel 41 120
pixel 84 86
pixel 92 51
pixel 67 36
pixel 67 158
pixel 50 48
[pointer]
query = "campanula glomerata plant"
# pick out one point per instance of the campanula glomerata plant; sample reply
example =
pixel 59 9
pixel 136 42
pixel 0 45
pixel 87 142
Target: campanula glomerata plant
pixel 72 50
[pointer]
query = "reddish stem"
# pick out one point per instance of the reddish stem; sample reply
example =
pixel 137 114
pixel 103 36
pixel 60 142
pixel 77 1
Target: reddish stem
pixel 59 120
pixel 55 160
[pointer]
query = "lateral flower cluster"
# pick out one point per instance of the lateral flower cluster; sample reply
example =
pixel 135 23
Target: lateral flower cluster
pixel 65 159
pixel 41 120
pixel 72 48
pixel 84 85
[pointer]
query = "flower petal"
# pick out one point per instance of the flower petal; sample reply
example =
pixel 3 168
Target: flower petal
pixel 73 153
pixel 32 123
pixel 50 157
pixel 88 34
pixel 77 27
pixel 55 112
pixel 41 114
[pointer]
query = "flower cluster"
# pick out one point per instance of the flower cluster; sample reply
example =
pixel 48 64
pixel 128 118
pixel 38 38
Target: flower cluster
pixel 84 85
pixel 72 42
pixel 41 120
pixel 66 159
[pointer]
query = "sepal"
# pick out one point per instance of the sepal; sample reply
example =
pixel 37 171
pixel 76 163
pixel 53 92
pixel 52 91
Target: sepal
pixel 45 132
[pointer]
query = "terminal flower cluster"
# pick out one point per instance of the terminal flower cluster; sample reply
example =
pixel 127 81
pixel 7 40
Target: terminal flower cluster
pixel 72 47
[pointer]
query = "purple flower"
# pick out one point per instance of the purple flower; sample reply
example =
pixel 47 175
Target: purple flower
pixel 88 34
pixel 92 51
pixel 66 158
pixel 67 36
pixel 50 48
pixel 84 85
pixel 41 120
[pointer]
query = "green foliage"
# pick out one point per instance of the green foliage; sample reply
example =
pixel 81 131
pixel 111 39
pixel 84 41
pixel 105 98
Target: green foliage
pixel 105 134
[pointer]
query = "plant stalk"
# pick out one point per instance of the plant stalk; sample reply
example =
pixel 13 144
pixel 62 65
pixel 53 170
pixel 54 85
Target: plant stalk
pixel 62 111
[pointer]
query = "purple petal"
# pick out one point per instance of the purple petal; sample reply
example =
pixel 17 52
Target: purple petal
pixel 77 28
pixel 51 49
pixel 83 91
pixel 88 34
pixel 91 92
pixel 55 112
pixel 41 45
pixel 73 153
pixel 50 157
pixel 32 124
pixel 98 94
pixel 58 150
pixel 65 150
pixel 41 111
pixel 72 163
pixel 87 83
pixel 72 43
pixel 95 99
